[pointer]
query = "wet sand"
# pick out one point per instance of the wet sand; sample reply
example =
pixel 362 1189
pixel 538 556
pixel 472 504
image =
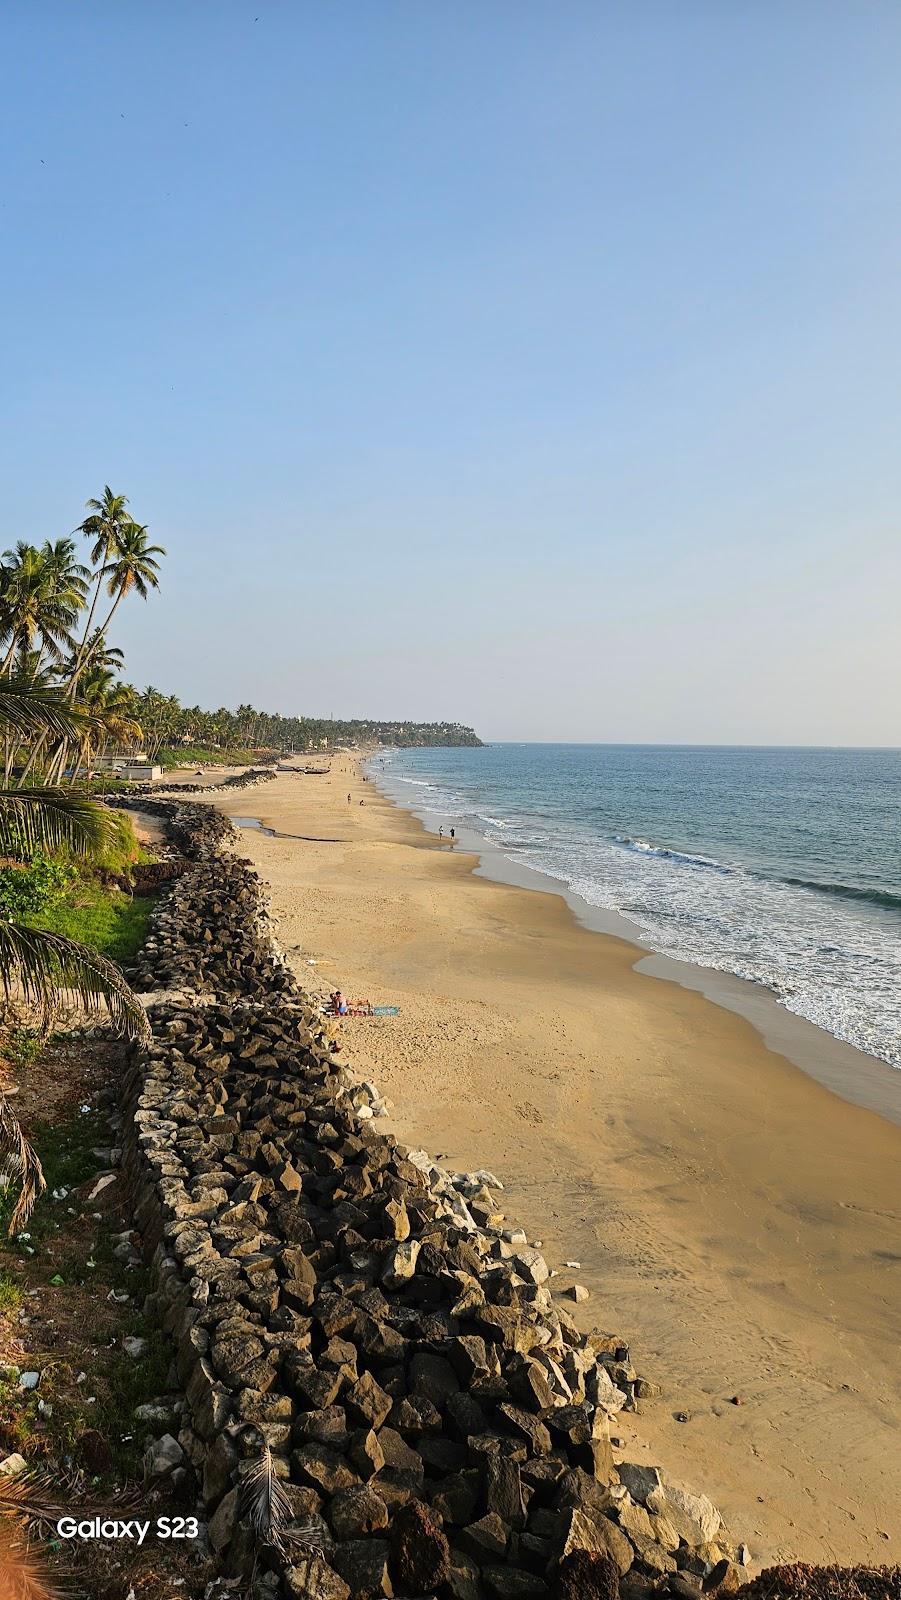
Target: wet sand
pixel 736 1221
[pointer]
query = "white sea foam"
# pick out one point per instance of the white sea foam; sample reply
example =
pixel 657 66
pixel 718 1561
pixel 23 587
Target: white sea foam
pixel 826 958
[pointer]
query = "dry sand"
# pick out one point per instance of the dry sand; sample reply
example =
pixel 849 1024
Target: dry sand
pixel 734 1220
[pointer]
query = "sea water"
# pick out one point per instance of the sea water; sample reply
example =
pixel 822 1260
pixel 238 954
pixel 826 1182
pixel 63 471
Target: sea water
pixel 781 866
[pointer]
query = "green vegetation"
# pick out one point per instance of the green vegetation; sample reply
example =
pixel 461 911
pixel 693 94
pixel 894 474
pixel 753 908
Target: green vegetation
pixel 199 755
pixel 33 886
pixel 173 732
pixel 10 1293
pixel 105 920
pixel 23 1047
pixel 60 703
pixel 77 900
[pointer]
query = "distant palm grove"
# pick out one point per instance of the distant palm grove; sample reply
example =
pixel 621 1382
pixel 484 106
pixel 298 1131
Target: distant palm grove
pixel 168 726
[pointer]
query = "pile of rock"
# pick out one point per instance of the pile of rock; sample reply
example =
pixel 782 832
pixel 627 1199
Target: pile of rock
pixel 239 780
pixel 437 1422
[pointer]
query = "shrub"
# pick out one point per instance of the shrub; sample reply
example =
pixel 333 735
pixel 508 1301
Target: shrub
pixel 34 886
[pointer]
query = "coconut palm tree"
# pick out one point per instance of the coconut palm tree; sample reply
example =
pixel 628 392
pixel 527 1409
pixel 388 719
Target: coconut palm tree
pixel 39 601
pixel 105 526
pixel 132 569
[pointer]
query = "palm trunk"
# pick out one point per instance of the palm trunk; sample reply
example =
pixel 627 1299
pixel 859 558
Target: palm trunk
pixel 36 749
pixel 101 631
pixel 7 659
pixel 79 663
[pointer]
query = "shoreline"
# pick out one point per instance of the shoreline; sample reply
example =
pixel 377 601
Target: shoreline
pixel 738 1227
pixel 852 1074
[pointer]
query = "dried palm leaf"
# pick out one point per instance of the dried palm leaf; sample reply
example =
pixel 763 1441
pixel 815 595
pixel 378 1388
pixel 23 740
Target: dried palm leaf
pixel 19 1164
pixel 37 1497
pixel 265 1503
pixel 23 1574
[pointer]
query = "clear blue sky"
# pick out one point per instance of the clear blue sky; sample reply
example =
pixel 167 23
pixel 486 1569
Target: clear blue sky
pixel 526 362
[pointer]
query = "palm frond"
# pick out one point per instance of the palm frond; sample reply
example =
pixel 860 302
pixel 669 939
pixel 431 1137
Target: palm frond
pixel 308 1535
pixel 265 1503
pixel 41 1498
pixel 19 1164
pixel 58 975
pixel 23 1574
pixel 47 817
pixel 27 707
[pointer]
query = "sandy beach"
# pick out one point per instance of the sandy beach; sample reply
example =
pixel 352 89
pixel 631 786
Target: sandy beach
pixel 733 1219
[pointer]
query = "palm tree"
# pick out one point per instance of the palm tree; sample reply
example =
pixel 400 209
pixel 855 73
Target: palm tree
pixel 41 600
pixel 133 567
pixel 105 525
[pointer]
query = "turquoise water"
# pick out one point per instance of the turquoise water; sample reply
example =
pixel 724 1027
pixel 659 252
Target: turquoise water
pixel 781 866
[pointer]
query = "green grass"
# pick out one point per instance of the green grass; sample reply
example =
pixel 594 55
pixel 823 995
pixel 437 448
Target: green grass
pixel 10 1293
pixel 197 756
pixel 106 919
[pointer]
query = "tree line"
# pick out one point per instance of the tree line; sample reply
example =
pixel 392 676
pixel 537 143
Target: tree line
pixel 167 723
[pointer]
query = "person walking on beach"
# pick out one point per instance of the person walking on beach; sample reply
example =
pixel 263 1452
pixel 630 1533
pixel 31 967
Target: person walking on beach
pixel 453 833
pixel 441 831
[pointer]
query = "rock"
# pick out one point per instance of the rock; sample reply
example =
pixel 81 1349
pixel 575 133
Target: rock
pixel 579 1531
pixel 222 1524
pixel 694 1517
pixel 155 1413
pixel 315 1580
pixel 645 1389
pixel 325 1470
pixel 485 1540
pixel 639 1480
pixel 684 1584
pixel 355 1512
pixel 579 1293
pixel 103 1182
pixel 634 1519
pixel 367 1403
pixel 582 1575
pixel 725 1577
pixel 530 1264
pixel 12 1464
pixel 503 1491
pixel 401 1264
pixel 136 1348
pixel 420 1557
pixel 511 1583
pixel 162 1457
pixel 363 1563
pixel 29 1380
pixel 463 1581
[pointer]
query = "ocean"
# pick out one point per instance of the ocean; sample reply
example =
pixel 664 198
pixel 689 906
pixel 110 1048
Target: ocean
pixel 781 866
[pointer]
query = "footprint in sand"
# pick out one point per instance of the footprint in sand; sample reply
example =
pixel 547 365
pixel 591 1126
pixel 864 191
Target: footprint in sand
pixel 528 1112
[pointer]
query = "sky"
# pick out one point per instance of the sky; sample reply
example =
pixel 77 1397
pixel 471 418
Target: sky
pixel 527 363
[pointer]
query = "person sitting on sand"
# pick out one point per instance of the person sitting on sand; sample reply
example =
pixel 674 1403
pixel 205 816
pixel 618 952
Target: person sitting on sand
pixel 340 1004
